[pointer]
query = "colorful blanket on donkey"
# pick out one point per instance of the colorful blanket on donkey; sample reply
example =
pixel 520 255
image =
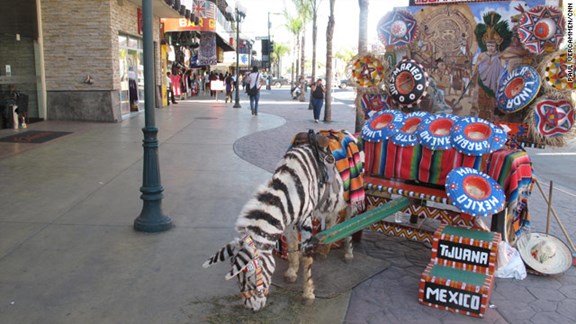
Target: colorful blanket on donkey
pixel 349 164
pixel 512 169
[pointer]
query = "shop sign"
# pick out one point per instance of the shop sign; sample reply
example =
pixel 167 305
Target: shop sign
pixel 452 297
pixel 463 253
pixel 183 24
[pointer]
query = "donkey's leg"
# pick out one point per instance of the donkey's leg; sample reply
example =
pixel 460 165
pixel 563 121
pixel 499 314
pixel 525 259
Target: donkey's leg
pixel 291 273
pixel 348 255
pixel 331 220
pixel 308 290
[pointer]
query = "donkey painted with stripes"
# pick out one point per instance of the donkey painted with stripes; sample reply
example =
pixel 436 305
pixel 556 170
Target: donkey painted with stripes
pixel 306 185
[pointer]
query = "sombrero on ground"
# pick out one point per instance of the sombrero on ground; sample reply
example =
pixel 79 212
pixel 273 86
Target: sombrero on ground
pixel 474 192
pixel 544 253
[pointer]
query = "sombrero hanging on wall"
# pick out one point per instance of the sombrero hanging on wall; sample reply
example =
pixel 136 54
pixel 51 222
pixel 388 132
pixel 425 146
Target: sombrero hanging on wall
pixel 434 131
pixel 397 28
pixel 407 134
pixel 556 72
pixel 367 71
pixel 553 117
pixel 544 253
pixel 408 82
pixel 541 29
pixel 500 137
pixel 517 89
pixel 476 136
pixel 474 192
pixel 382 125
pixel 374 102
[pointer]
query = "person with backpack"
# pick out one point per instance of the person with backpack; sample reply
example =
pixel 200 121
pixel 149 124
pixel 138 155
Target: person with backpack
pixel 254 82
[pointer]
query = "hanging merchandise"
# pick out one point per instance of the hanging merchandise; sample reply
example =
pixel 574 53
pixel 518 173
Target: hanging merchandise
pixel 552 117
pixel 408 83
pixel 374 102
pixel 383 125
pixel 557 72
pixel 474 192
pixel 518 88
pixel 407 135
pixel 434 131
pixel 397 28
pixel 367 71
pixel 541 29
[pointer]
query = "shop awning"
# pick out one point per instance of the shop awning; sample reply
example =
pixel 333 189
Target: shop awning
pixel 223 44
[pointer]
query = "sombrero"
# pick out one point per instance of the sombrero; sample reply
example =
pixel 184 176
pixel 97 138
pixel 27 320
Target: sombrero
pixel 374 102
pixel 367 71
pixel 382 125
pixel 541 29
pixel 474 192
pixel 434 131
pixel 556 74
pixel 500 137
pixel 517 89
pixel 407 133
pixel 476 136
pixel 408 82
pixel 398 28
pixel 544 253
pixel 553 117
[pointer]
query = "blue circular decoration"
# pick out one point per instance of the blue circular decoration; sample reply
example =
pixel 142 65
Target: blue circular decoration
pixel 407 134
pixel 474 136
pixel 408 83
pixel 434 131
pixel 382 125
pixel 518 88
pixel 500 137
pixel 474 192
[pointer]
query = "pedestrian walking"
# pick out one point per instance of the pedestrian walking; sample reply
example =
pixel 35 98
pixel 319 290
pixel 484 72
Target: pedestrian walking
pixel 254 82
pixel 318 92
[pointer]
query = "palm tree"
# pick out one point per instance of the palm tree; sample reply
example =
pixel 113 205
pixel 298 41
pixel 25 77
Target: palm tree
pixel 362 49
pixel 279 51
pixel 329 38
pixel 294 25
pixel 304 13
pixel 314 6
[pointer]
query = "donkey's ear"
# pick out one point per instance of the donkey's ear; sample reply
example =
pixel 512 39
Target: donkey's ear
pixel 226 252
pixel 243 261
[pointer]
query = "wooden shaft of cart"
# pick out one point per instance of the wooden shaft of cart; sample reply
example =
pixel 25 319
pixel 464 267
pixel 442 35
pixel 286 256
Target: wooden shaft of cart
pixel 361 221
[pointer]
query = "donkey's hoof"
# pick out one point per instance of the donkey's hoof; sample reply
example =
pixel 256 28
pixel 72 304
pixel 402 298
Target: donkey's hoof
pixel 348 258
pixel 307 301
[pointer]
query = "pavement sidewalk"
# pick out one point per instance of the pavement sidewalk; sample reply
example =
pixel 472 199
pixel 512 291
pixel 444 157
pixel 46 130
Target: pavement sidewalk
pixel 69 254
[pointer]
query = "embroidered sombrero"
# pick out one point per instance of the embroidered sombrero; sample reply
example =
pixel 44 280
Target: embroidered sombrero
pixel 367 71
pixel 474 192
pixel 541 29
pixel 398 28
pixel 408 82
pixel 553 117
pixel 517 89
pixel 407 134
pixel 374 102
pixel 556 73
pixel 434 131
pixel 544 253
pixel 382 125
pixel 476 136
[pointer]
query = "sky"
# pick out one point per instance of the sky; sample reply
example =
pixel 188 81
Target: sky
pixel 346 16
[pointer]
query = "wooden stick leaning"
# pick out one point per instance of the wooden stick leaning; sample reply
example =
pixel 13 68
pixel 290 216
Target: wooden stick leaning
pixel 556 216
pixel 549 208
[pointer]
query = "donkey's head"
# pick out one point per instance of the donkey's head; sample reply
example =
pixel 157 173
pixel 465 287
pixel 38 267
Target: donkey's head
pixel 252 267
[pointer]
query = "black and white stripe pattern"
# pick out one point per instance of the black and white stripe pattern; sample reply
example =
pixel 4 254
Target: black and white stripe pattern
pixel 292 198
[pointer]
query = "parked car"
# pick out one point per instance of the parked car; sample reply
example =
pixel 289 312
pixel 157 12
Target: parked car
pixel 345 83
pixel 279 81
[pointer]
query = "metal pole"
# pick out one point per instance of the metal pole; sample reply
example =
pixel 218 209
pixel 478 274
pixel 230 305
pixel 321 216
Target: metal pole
pixel 237 98
pixel 151 217
pixel 268 85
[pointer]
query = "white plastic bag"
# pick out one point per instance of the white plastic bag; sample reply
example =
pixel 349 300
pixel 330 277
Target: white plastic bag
pixel 510 263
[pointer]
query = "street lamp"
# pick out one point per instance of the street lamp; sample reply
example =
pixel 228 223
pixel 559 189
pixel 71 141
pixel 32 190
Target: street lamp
pixel 239 14
pixel 151 218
